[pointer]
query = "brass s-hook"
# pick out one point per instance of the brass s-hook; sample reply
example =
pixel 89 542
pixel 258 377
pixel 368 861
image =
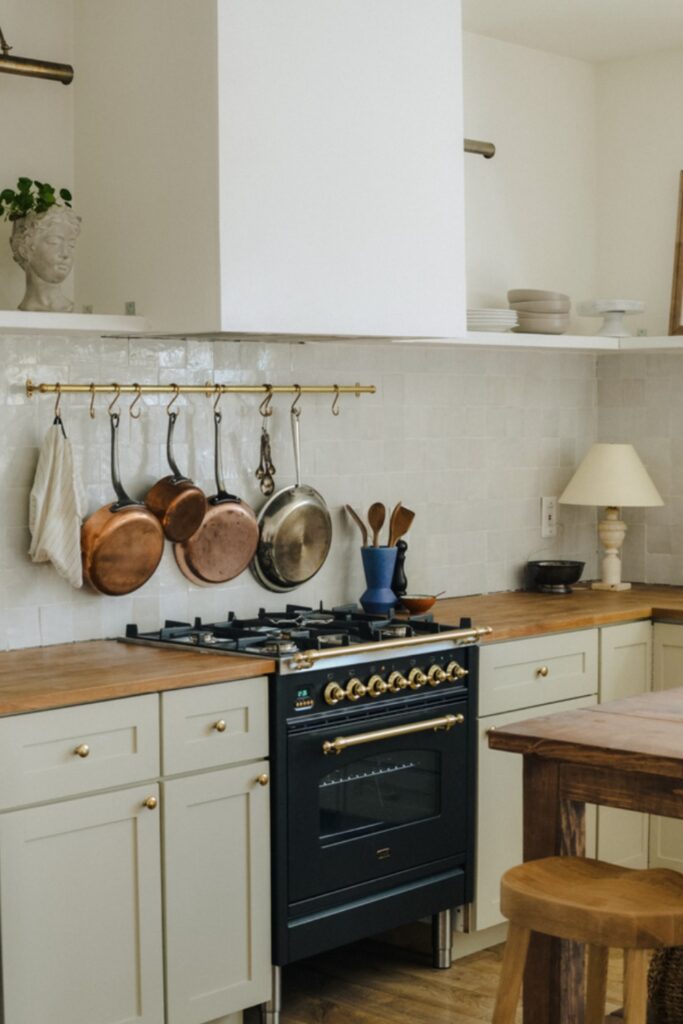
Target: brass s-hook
pixel 170 405
pixel 335 403
pixel 138 396
pixel 218 391
pixel 58 403
pixel 295 410
pixel 92 402
pixel 117 388
pixel 264 408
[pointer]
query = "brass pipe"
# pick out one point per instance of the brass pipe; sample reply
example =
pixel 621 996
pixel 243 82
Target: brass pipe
pixel 485 149
pixel 306 659
pixel 63 73
pixel 341 743
pixel 200 389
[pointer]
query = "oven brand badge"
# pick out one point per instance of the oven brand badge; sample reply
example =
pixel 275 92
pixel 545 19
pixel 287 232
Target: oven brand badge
pixel 384 853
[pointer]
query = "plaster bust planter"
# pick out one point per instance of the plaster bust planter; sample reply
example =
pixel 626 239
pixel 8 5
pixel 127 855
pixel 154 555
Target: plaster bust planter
pixel 43 245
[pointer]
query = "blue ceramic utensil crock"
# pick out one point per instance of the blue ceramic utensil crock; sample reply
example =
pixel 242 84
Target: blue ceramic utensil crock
pixel 378 564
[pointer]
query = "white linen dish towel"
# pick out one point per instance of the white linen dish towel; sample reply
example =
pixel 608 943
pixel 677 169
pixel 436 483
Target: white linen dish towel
pixel 56 507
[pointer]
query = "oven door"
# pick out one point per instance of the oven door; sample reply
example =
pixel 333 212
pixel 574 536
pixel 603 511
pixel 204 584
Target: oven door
pixel 394 797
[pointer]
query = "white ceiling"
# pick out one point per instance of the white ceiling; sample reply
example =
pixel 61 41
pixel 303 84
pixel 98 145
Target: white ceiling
pixel 594 30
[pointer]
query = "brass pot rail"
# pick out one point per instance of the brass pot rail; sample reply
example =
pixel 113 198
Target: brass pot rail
pixel 341 743
pixel 307 659
pixel 485 149
pixel 63 73
pixel 208 389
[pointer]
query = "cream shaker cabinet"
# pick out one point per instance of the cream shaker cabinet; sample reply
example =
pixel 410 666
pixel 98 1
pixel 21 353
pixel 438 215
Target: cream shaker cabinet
pixel 99 891
pixel 666 834
pixel 520 679
pixel 625 671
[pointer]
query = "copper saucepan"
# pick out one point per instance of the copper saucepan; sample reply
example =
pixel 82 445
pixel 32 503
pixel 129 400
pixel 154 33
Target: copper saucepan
pixel 178 504
pixel 225 543
pixel 121 544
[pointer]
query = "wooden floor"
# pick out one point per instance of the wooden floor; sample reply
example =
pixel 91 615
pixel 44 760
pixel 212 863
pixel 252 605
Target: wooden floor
pixel 369 983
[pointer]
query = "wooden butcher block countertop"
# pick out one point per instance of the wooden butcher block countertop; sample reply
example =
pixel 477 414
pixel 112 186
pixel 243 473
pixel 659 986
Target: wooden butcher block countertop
pixel 50 677
pixel 518 614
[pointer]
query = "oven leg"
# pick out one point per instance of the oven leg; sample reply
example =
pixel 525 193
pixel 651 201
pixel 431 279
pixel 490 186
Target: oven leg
pixel 270 1011
pixel 442 939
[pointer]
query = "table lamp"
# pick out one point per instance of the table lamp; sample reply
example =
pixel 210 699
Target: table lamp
pixel 611 475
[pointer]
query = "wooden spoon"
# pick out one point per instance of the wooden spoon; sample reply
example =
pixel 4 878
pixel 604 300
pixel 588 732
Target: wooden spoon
pixel 401 520
pixel 359 523
pixel 377 513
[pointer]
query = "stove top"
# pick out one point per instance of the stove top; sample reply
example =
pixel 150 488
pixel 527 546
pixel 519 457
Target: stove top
pixel 283 633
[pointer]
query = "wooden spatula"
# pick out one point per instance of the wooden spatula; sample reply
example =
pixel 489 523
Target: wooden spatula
pixel 377 513
pixel 401 521
pixel 359 523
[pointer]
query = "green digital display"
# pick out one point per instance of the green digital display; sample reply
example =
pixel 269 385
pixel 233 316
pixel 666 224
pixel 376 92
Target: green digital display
pixel 302 694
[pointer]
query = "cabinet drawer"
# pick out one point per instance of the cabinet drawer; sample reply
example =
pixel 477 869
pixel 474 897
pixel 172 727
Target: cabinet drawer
pixel 528 673
pixel 118 742
pixel 208 726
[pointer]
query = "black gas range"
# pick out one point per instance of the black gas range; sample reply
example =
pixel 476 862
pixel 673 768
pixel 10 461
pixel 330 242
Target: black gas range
pixel 373 759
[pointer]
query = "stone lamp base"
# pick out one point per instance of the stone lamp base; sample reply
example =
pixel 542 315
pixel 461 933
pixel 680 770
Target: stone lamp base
pixel 611 531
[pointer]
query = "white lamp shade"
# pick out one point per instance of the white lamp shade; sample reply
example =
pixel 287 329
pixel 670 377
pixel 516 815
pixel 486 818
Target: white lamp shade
pixel 611 475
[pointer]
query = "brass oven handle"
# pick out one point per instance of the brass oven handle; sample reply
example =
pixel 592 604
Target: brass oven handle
pixel 306 659
pixel 341 743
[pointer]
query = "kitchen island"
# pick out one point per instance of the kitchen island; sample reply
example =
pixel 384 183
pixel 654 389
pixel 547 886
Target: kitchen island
pixel 625 753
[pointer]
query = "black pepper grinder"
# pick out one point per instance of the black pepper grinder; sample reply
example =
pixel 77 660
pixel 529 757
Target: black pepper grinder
pixel 399 583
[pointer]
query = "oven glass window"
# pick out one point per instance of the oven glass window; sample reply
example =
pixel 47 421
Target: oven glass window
pixel 379 792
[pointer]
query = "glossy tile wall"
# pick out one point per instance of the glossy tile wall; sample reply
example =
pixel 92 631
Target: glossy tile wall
pixel 640 403
pixel 467 438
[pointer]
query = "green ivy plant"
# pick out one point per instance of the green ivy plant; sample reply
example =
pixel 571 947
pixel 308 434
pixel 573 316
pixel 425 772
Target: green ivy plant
pixel 36 196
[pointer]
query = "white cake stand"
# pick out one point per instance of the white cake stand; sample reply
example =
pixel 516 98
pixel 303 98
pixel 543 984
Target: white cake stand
pixel 613 311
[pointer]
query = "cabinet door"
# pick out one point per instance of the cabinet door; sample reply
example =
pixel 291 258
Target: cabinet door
pixel 80 889
pixel 625 671
pixel 666 834
pixel 217 883
pixel 499 810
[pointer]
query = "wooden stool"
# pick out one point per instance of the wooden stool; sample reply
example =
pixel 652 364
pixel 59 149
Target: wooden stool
pixel 595 903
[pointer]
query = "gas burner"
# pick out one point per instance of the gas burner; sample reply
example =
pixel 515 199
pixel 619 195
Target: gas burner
pixel 274 647
pixel 332 640
pixel 394 632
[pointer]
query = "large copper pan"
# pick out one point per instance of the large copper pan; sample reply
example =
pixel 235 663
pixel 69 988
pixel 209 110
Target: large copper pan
pixel 178 504
pixel 121 544
pixel 296 531
pixel 225 543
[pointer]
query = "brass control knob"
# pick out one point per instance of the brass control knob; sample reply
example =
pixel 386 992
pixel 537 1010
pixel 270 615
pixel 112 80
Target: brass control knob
pixel 333 693
pixel 456 671
pixel 150 803
pixel 355 689
pixel 377 686
pixel 416 679
pixel 396 682
pixel 82 750
pixel 436 675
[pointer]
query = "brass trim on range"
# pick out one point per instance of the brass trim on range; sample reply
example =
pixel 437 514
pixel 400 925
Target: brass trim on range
pixel 341 743
pixel 307 659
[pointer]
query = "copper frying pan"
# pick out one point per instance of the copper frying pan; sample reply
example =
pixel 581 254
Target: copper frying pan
pixel 225 543
pixel 178 504
pixel 121 544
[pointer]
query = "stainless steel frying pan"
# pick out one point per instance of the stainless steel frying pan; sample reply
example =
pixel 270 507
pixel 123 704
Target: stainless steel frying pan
pixel 296 531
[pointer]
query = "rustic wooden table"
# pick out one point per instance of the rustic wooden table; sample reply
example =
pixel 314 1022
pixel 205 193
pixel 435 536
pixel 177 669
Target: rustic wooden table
pixel 627 753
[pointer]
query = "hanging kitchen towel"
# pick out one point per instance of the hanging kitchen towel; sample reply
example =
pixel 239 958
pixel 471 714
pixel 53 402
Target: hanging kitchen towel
pixel 57 506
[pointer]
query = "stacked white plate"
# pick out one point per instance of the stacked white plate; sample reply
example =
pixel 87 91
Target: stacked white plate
pixel 540 312
pixel 491 319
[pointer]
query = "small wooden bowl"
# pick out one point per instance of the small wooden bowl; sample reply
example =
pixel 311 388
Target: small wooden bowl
pixel 417 604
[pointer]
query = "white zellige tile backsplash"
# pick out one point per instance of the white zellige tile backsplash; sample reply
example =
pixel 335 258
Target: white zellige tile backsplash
pixel 467 438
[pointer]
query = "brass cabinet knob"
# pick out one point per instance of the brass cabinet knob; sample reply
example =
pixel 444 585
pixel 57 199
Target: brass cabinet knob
pixel 397 682
pixel 377 686
pixel 416 679
pixel 543 671
pixel 355 689
pixel 150 803
pixel 333 693
pixel 436 675
pixel 263 780
pixel 220 726
pixel 82 750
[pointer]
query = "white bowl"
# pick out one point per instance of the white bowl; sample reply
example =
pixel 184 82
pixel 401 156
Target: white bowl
pixel 547 306
pixel 535 295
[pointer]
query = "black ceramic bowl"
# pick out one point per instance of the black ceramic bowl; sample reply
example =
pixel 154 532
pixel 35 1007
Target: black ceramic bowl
pixel 553 576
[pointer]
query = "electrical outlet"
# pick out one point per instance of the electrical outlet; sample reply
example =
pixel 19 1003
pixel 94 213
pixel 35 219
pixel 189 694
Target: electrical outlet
pixel 548 518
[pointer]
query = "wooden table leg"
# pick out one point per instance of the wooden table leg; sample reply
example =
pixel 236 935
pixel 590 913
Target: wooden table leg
pixel 553 980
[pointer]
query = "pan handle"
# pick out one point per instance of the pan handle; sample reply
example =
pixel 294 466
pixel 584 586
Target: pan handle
pixel 221 494
pixel 123 500
pixel 297 444
pixel 177 475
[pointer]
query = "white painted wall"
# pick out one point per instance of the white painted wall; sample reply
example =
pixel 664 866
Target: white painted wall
pixel 640 159
pixel 36 117
pixel 531 211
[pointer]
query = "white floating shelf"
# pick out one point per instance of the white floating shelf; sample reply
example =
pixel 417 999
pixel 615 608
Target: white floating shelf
pixel 14 321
